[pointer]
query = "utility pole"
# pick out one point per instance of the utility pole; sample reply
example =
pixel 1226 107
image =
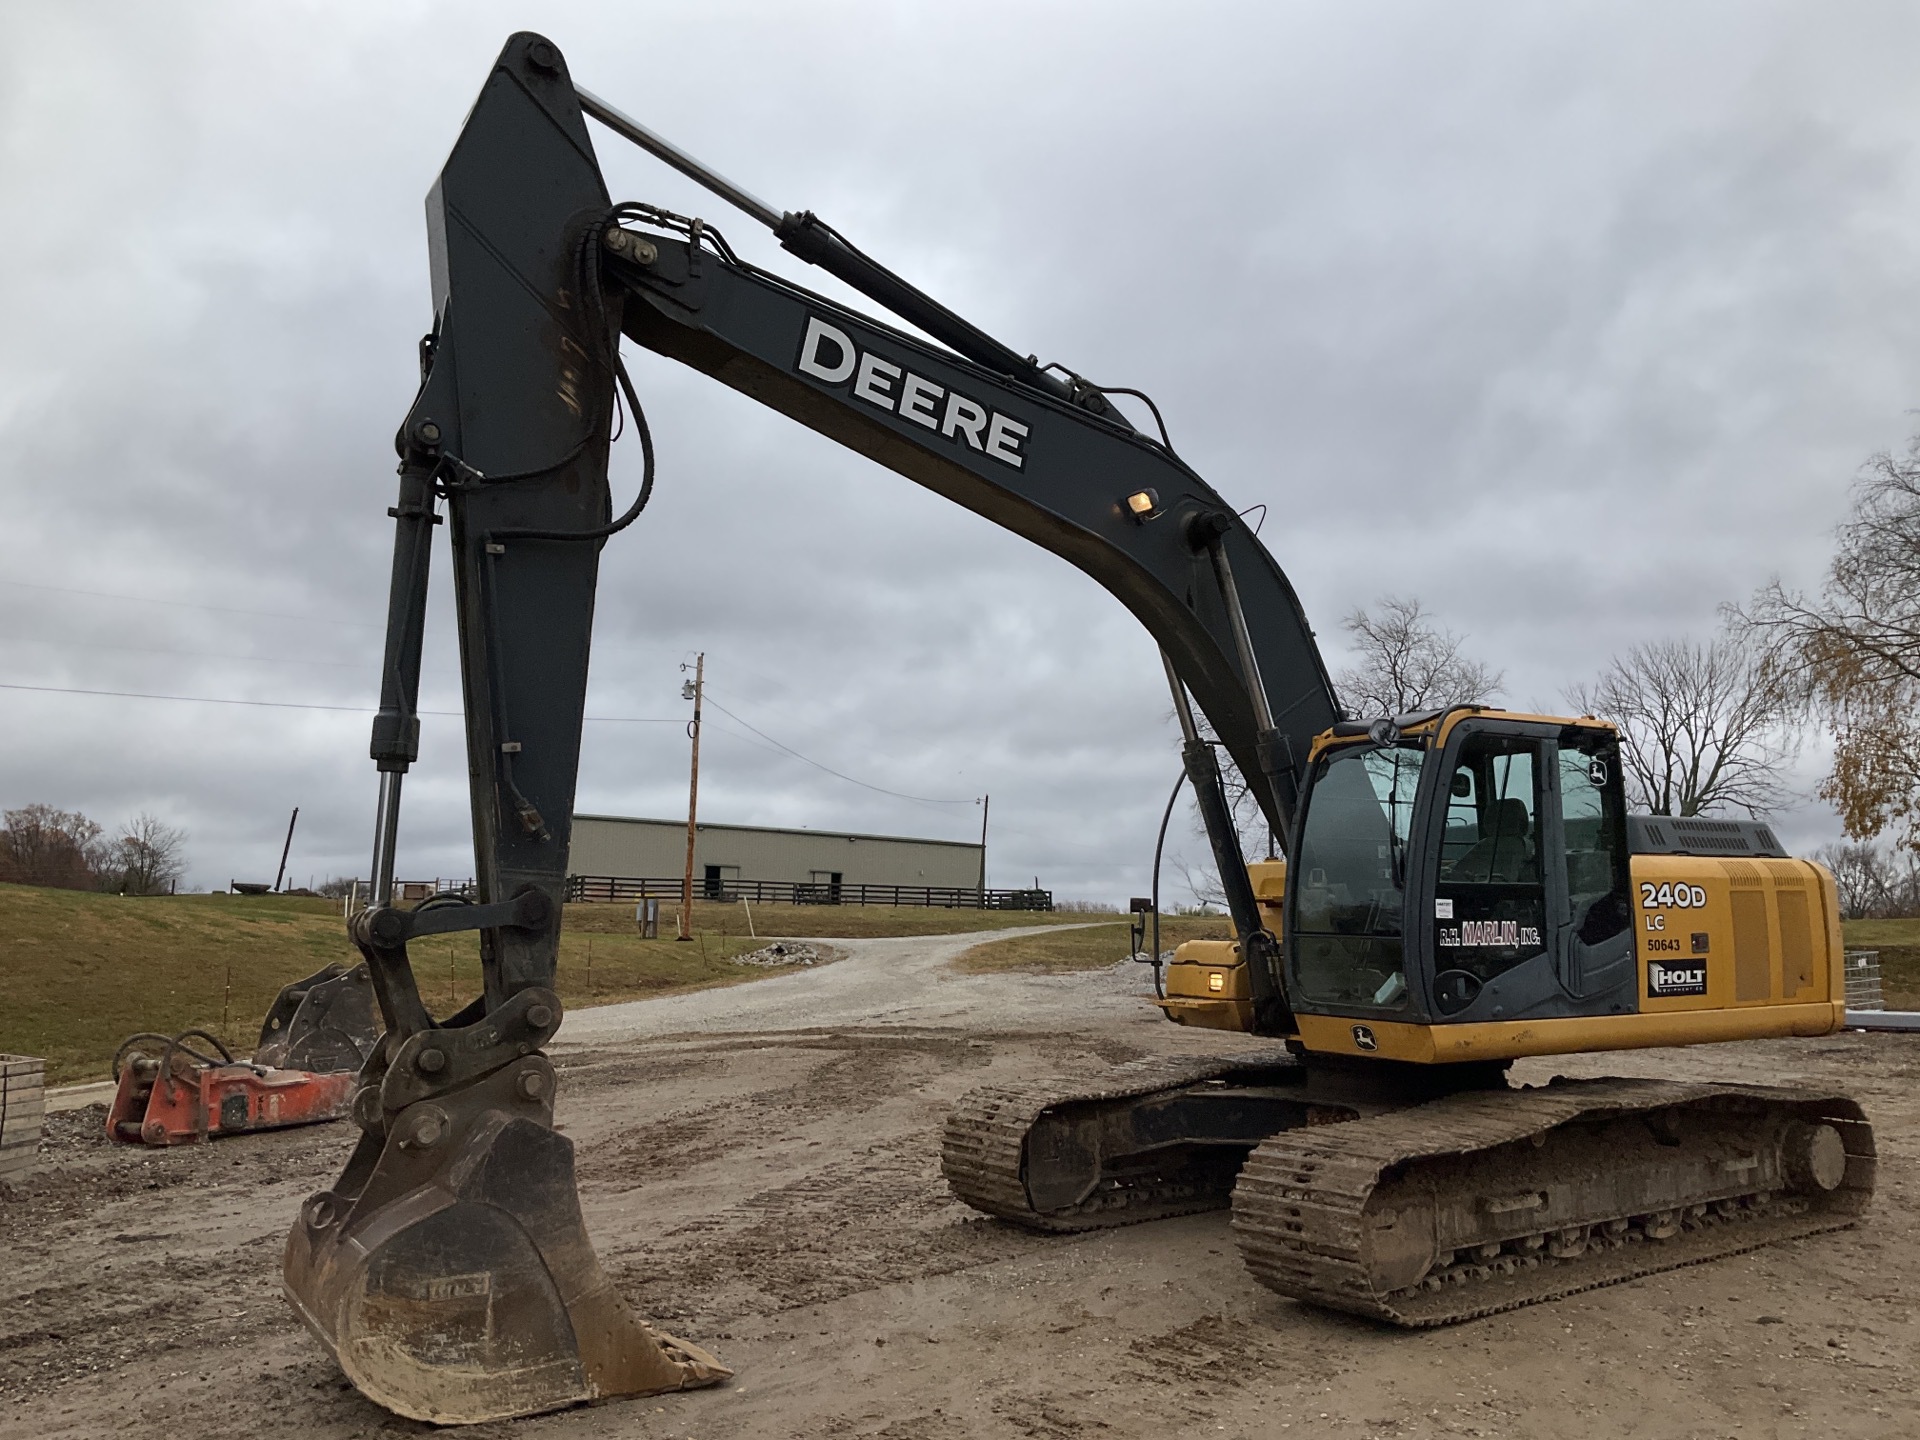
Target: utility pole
pixel 985 802
pixel 285 850
pixel 692 690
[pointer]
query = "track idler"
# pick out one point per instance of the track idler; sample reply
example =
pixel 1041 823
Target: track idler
pixel 449 1270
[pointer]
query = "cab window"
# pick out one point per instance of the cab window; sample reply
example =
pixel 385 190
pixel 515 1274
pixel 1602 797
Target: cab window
pixel 1490 903
pixel 1346 947
pixel 1590 809
pixel 1493 812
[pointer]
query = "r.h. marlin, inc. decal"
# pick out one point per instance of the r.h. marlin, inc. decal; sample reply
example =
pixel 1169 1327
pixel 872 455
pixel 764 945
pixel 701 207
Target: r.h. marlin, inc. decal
pixel 828 354
pixel 1485 934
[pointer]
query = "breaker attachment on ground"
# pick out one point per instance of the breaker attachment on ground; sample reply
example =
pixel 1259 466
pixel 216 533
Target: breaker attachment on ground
pixel 317 1034
pixel 178 1094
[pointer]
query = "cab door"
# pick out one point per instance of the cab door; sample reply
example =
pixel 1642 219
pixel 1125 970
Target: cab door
pixel 1491 917
pixel 1530 885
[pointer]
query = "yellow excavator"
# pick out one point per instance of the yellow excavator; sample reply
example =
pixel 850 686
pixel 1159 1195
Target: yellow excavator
pixel 1462 888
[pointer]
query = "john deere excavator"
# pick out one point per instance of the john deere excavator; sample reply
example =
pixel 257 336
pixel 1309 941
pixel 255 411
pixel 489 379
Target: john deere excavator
pixel 1461 888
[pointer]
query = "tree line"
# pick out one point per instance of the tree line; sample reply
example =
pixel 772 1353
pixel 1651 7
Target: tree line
pixel 41 845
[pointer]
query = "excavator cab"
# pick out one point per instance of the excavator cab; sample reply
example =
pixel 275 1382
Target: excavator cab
pixel 1461 868
pixel 1467 886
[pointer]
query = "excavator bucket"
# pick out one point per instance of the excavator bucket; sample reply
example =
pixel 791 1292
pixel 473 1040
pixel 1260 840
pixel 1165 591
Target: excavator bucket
pixel 324 1023
pixel 449 1271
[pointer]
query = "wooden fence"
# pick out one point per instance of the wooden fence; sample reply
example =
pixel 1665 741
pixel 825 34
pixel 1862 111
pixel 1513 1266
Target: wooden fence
pixel 799 892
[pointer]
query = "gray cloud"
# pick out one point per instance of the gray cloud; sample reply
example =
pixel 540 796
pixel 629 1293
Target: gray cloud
pixel 1572 320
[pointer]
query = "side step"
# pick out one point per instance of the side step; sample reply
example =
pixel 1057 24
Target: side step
pixel 1486 1201
pixel 1155 1138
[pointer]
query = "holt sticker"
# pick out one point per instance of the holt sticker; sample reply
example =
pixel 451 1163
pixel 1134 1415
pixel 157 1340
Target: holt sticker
pixel 1664 980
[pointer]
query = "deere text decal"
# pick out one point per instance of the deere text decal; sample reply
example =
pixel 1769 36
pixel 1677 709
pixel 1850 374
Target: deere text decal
pixel 828 354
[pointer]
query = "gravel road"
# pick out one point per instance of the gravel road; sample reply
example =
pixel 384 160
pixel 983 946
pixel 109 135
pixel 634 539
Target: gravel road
pixel 759 1168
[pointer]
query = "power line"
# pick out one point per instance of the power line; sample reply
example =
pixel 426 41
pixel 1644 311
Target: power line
pixel 880 789
pixel 187 604
pixel 300 705
pixel 455 714
pixel 363 665
pixel 198 699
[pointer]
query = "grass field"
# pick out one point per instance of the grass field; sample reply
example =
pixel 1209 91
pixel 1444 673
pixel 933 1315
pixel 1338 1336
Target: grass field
pixel 79 972
pixel 1089 949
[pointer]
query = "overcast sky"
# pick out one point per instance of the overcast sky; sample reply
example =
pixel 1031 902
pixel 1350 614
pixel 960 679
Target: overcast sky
pixel 1573 321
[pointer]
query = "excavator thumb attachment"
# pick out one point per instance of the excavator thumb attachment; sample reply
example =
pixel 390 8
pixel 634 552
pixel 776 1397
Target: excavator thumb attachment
pixel 449 1271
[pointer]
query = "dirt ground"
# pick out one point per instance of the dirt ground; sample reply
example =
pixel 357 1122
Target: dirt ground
pixel 760 1171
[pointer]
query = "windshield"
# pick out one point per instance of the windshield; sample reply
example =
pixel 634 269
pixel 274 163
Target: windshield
pixel 1350 867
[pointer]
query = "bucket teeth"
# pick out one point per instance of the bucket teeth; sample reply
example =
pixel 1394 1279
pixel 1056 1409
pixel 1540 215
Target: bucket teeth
pixel 450 1273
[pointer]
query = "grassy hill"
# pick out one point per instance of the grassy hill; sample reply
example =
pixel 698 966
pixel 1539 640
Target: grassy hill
pixel 79 972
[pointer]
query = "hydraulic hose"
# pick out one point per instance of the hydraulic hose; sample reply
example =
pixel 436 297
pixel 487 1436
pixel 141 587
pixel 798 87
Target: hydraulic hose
pixel 1160 990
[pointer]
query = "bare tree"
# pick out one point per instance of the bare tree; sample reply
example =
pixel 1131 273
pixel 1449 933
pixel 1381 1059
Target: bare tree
pixel 44 846
pixel 1700 729
pixel 1873 884
pixel 1203 883
pixel 1202 879
pixel 1409 663
pixel 1851 657
pixel 149 858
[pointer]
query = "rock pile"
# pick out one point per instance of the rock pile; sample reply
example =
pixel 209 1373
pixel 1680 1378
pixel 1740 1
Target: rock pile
pixel 783 952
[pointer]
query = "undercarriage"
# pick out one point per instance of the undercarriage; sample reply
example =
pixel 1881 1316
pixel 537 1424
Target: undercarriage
pixel 1369 1194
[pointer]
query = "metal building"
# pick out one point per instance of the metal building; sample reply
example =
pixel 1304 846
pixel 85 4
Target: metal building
pixel 761 862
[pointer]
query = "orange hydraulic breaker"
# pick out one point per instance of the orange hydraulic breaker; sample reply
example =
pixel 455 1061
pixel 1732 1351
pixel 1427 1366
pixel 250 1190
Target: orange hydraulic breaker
pixel 182 1095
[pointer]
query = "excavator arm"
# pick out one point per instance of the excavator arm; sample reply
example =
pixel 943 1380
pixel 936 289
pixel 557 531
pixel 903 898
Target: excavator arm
pixel 449 1270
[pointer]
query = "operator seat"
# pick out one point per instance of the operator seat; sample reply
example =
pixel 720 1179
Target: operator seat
pixel 1505 855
